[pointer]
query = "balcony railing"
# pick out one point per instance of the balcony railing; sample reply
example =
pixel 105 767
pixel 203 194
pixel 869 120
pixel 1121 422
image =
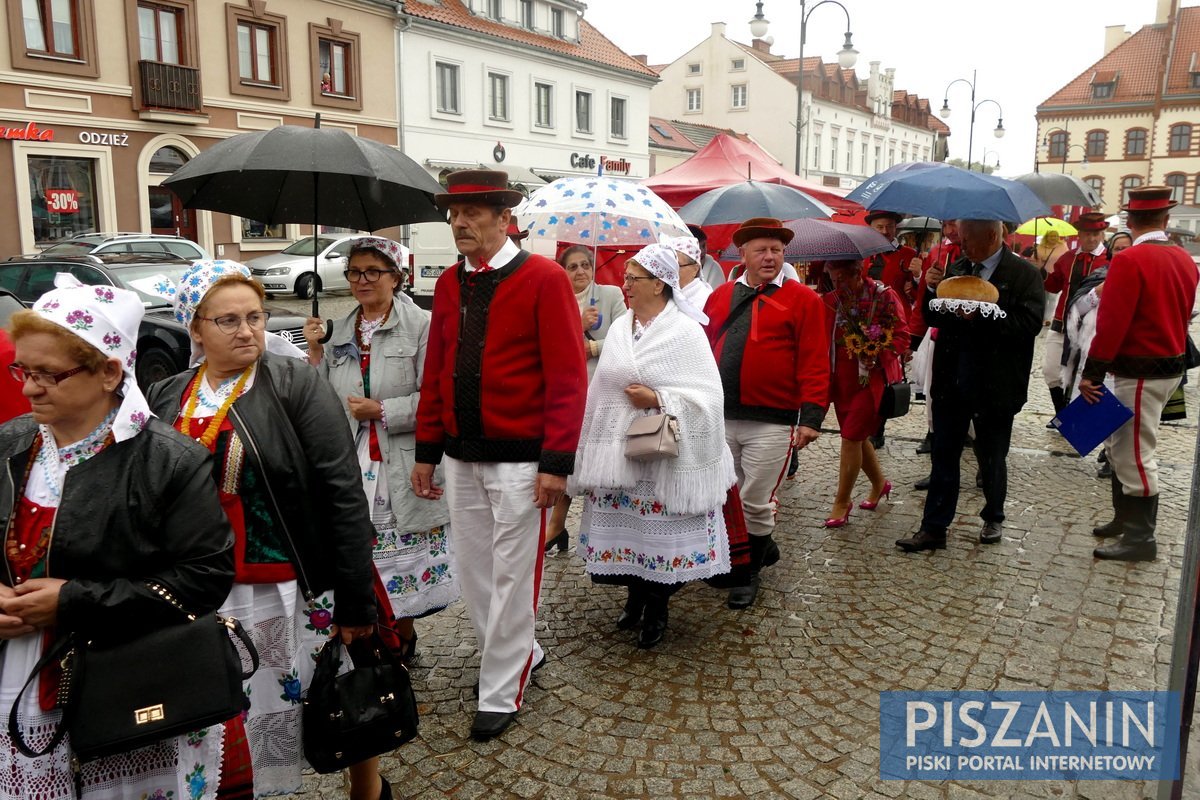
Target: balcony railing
pixel 170 86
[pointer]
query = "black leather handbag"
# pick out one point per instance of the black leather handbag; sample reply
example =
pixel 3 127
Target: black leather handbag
pixel 360 714
pixel 117 697
pixel 896 399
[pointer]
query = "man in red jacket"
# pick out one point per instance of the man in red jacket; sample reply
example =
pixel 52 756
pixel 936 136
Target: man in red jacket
pixel 502 399
pixel 1068 272
pixel 1141 340
pixel 901 268
pixel 771 343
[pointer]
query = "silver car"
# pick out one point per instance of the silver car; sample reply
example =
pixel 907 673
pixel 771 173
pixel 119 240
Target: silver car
pixel 291 269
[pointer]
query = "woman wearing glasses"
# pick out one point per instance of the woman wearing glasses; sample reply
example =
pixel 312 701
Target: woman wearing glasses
pixel 599 305
pixel 290 485
pixel 105 508
pixel 375 360
pixel 654 525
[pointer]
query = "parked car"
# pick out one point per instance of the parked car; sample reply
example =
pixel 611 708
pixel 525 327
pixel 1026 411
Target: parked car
pixel 291 269
pixel 164 346
pixel 154 244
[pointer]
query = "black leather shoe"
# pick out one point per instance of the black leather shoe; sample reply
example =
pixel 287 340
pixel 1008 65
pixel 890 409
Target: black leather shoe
pixel 1121 550
pixel 770 552
pixel 743 596
pixel 562 542
pixel 992 533
pixel 654 625
pixel 1105 470
pixel 926 445
pixel 490 724
pixel 923 484
pixel 920 541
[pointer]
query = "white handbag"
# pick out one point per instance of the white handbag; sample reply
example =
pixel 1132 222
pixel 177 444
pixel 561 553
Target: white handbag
pixel 652 437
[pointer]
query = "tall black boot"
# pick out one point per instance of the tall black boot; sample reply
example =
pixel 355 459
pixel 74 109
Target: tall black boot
pixel 654 624
pixel 1117 526
pixel 1058 397
pixel 763 552
pixel 1138 543
pixel 635 604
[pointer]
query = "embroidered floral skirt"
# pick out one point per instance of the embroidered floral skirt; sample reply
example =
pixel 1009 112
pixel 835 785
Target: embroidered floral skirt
pixel 631 533
pixel 179 768
pixel 287 635
pixel 415 565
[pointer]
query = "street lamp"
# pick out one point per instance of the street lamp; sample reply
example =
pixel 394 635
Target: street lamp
pixel 944 112
pixel 983 159
pixel 1066 149
pixel 847 56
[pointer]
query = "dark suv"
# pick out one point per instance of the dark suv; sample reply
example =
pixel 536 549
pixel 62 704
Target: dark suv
pixel 163 346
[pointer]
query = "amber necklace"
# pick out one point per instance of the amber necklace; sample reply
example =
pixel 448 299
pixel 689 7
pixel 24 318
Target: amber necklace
pixel 214 426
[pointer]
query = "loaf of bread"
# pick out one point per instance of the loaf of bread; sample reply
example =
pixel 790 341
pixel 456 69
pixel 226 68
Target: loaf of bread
pixel 967 287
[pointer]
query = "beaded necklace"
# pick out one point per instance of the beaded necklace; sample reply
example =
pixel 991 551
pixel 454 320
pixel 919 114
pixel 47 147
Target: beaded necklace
pixel 214 426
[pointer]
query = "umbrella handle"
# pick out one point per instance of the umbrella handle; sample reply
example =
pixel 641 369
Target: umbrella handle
pixel 328 329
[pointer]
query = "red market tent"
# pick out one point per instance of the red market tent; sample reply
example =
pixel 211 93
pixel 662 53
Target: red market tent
pixel 727 159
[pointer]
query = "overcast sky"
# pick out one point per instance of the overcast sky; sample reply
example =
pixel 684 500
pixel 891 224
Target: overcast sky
pixel 1023 50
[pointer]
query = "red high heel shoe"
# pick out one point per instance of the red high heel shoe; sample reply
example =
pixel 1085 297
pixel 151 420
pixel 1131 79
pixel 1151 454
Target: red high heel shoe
pixel 837 522
pixel 868 505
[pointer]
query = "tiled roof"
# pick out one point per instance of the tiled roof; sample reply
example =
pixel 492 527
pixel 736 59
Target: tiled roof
pixel 592 45
pixel 937 126
pixel 701 135
pixel 1134 64
pixel 664 134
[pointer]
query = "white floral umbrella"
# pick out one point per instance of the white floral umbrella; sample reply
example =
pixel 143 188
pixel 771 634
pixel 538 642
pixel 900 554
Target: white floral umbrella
pixel 598 211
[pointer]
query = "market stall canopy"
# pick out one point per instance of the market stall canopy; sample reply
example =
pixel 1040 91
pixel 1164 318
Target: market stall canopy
pixel 727 160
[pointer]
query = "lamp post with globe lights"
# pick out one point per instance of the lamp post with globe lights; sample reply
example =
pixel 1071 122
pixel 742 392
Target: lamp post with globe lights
pixel 944 113
pixel 847 57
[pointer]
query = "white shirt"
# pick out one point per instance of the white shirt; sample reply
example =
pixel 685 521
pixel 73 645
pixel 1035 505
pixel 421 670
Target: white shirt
pixel 507 252
pixel 1152 236
pixel 787 271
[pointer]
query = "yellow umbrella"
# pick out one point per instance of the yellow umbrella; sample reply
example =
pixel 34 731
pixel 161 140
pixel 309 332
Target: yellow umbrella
pixel 1039 225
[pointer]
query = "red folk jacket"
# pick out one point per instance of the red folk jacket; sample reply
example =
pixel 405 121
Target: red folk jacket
pixel 505 376
pixel 1069 271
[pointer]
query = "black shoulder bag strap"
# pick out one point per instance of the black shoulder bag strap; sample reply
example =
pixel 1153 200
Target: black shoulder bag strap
pixel 64 649
pixel 741 308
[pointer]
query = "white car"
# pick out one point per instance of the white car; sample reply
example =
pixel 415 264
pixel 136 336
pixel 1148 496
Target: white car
pixel 152 244
pixel 291 269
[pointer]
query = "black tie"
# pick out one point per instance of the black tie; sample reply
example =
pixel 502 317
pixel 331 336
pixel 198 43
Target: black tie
pixel 977 269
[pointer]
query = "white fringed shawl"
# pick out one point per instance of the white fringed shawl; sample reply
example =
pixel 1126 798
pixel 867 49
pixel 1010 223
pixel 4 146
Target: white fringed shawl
pixel 673 358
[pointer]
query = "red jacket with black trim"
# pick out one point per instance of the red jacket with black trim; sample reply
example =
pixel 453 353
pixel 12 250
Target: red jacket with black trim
pixel 1141 326
pixel 891 269
pixel 782 374
pixel 1069 271
pixel 504 380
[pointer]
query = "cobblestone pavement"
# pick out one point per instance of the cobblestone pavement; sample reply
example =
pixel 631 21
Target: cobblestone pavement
pixel 782 700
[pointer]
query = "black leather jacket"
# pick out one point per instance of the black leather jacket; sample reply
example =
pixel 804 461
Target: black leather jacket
pixel 295 434
pixel 140 515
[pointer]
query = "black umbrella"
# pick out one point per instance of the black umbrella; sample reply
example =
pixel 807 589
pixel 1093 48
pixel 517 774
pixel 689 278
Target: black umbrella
pixel 1059 189
pixel 314 175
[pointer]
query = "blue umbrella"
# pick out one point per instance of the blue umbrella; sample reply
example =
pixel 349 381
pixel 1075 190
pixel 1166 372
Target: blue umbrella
pixel 738 202
pixel 951 193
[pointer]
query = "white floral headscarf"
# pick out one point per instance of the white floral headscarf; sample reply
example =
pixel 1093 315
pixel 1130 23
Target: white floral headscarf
pixel 391 250
pixel 686 245
pixel 107 318
pixel 660 261
pixel 187 296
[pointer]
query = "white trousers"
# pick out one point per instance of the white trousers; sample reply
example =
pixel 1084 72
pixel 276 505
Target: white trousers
pixel 1052 363
pixel 497 533
pixel 761 451
pixel 1131 448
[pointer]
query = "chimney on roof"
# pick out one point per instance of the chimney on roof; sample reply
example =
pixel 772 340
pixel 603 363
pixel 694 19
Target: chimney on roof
pixel 761 45
pixel 642 59
pixel 1166 9
pixel 718 29
pixel 1114 35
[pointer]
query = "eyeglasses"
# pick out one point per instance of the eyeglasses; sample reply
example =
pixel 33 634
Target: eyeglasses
pixel 629 279
pixel 578 267
pixel 43 379
pixel 368 275
pixel 232 323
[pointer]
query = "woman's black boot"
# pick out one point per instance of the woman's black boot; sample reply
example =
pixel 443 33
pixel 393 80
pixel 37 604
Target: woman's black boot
pixel 635 604
pixel 654 623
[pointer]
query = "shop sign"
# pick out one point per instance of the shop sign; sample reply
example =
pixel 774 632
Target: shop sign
pixel 587 161
pixel 111 139
pixel 62 201
pixel 30 133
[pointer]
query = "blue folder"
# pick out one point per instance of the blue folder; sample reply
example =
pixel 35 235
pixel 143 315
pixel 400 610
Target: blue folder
pixel 1085 425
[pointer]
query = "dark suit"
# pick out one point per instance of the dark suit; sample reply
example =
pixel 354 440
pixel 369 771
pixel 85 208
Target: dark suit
pixel 981 373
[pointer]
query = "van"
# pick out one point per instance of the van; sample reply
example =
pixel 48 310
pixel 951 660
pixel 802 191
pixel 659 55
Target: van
pixel 433 250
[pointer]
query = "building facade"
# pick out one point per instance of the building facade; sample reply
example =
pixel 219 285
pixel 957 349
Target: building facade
pixel 1133 117
pixel 527 86
pixel 853 128
pixel 88 132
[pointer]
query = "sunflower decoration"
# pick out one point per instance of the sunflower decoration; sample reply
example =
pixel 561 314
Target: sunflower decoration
pixel 855 343
pixel 871 349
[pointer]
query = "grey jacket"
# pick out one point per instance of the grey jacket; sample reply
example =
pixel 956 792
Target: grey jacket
pixel 397 365
pixel 610 302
